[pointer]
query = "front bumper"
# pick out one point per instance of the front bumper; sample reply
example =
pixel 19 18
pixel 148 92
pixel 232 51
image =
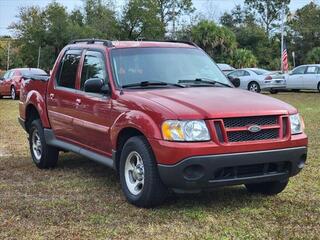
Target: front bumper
pixel 210 171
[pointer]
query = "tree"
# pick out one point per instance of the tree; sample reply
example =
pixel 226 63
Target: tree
pixel 313 56
pixel 171 9
pixel 242 58
pixel 238 17
pixel 100 16
pixel 304 27
pixel 268 11
pixel 218 42
pixel 141 20
pixel 30 30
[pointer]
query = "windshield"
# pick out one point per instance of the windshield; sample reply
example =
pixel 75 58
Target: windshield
pixel 168 65
pixel 260 71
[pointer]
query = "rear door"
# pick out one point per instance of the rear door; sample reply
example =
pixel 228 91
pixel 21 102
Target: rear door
pixel 61 96
pixel 310 79
pixel 93 121
pixel 296 78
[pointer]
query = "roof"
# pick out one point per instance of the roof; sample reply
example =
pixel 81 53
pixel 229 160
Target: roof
pixel 134 44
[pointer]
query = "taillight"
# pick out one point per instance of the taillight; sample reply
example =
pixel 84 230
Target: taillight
pixel 268 78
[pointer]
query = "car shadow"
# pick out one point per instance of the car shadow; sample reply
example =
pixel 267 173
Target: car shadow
pixel 231 197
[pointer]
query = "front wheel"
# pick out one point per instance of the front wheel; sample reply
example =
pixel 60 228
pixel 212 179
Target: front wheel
pixel 13 93
pixel 254 87
pixel 267 188
pixel 43 155
pixel 139 177
pixel 273 91
pixel 319 86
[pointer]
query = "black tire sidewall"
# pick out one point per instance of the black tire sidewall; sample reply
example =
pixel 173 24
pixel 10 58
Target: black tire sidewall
pixel 49 155
pixel 149 196
pixel 254 83
pixel 15 93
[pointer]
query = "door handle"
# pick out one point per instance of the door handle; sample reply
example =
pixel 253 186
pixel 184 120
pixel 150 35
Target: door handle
pixel 78 101
pixel 51 96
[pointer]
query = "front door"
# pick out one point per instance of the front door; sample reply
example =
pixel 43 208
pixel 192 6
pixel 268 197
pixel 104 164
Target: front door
pixel 62 98
pixel 92 122
pixel 296 78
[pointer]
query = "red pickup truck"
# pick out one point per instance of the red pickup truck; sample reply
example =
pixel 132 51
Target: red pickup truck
pixel 164 117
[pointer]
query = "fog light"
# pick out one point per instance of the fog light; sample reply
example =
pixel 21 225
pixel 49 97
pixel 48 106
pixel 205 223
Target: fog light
pixel 193 172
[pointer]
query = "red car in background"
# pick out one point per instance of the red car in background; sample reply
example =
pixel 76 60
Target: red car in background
pixel 11 81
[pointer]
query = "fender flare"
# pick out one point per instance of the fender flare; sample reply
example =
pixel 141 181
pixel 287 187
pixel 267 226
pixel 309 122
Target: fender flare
pixel 137 120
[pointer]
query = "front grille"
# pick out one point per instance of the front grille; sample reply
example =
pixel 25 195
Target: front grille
pixel 247 121
pixel 243 136
pixel 270 128
pixel 254 170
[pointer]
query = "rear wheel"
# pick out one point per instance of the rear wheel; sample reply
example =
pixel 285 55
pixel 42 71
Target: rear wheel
pixel 319 86
pixel 43 155
pixel 139 175
pixel 13 93
pixel 273 91
pixel 267 188
pixel 254 87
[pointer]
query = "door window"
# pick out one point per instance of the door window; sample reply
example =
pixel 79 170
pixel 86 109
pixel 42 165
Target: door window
pixel 233 74
pixel 68 69
pixel 93 67
pixel 299 70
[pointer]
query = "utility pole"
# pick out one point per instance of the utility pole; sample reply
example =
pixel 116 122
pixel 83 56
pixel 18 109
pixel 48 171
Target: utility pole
pixel 8 56
pixel 282 33
pixel 39 54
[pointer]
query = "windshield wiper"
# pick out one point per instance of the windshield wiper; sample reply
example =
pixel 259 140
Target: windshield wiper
pixel 200 81
pixel 149 83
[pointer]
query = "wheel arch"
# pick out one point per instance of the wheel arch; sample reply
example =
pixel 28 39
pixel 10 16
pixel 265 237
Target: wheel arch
pixel 123 136
pixel 31 114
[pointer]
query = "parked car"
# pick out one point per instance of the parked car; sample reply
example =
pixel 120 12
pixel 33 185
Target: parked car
pixel 225 68
pixel 11 81
pixel 305 77
pixel 257 79
pixel 164 116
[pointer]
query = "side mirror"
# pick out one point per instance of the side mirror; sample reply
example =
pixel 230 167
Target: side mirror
pixel 96 85
pixel 1 78
pixel 234 81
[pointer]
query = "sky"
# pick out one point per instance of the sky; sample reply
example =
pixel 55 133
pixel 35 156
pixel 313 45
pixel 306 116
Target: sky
pixel 210 8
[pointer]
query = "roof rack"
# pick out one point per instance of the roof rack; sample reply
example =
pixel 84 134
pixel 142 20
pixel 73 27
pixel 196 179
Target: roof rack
pixel 182 41
pixel 106 43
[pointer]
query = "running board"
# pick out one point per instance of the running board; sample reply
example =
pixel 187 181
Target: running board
pixel 53 141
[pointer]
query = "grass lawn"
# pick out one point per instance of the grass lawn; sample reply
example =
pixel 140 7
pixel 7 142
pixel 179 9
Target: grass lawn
pixel 82 200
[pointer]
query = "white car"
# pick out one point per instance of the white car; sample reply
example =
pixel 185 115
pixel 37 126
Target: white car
pixel 225 68
pixel 257 79
pixel 305 77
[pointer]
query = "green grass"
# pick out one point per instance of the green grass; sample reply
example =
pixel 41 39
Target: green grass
pixel 82 200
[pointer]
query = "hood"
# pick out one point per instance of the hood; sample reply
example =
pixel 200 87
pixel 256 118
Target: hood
pixel 215 102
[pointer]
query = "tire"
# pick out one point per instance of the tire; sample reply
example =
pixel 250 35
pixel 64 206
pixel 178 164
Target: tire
pixel 296 90
pixel 13 93
pixel 139 177
pixel 268 188
pixel 318 87
pixel 254 87
pixel 273 91
pixel 43 155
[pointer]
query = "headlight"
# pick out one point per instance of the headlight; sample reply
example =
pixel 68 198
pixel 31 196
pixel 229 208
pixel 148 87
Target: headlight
pixel 191 131
pixel 296 124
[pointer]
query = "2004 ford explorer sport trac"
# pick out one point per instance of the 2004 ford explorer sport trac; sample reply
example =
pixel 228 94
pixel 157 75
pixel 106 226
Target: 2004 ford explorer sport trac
pixel 164 116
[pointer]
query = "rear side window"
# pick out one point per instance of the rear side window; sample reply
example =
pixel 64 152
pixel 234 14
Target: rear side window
pixel 312 70
pixel 93 67
pixel 68 69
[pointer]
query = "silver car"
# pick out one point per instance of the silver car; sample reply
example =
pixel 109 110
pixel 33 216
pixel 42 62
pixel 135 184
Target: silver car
pixel 257 79
pixel 305 77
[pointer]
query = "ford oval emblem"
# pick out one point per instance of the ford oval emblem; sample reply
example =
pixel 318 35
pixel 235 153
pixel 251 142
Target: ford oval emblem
pixel 254 128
